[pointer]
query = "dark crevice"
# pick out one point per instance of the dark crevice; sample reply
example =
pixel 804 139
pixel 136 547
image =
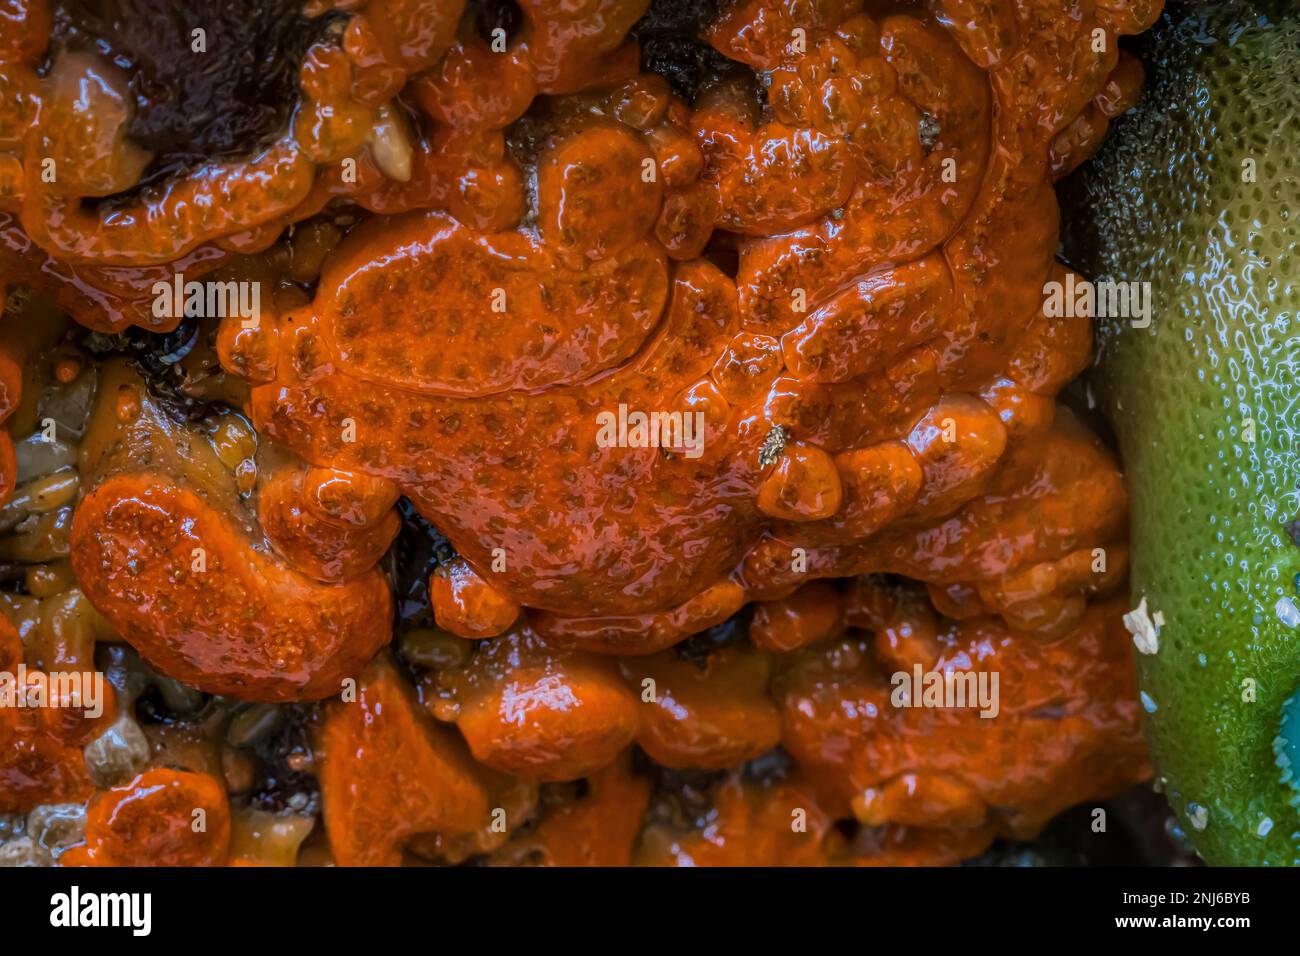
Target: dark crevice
pixel 195 107
pixel 771 768
pixel 286 782
pixel 489 15
pixel 417 551
pixel 671 45
pixel 683 799
pixel 157 356
pixel 730 633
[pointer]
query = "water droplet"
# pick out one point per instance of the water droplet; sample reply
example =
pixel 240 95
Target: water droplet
pixel 1287 612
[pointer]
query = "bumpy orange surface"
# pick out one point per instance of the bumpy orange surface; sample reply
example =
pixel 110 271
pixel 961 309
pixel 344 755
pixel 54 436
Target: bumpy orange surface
pixel 40 746
pixel 832 260
pixel 161 818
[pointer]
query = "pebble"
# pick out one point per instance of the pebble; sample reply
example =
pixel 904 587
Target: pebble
pixel 118 754
pixel 57 826
pixel 24 851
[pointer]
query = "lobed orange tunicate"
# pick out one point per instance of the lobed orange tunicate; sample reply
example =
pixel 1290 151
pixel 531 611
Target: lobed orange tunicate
pixel 42 733
pixel 735 399
pixel 161 818
pixel 390 773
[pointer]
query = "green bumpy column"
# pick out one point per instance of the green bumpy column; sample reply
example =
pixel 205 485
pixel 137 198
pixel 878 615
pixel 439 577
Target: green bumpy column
pixel 1198 193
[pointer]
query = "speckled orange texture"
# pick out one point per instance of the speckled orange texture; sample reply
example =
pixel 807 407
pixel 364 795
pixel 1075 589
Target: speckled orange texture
pixel 164 547
pixel 488 433
pixel 41 757
pixel 843 277
pixel 160 818
pixel 402 774
pixel 1067 712
pixel 758 824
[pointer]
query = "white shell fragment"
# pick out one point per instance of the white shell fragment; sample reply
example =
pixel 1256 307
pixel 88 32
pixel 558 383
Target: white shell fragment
pixel 1144 628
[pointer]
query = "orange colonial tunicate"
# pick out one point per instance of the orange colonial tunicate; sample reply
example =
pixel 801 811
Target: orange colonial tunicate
pixel 161 818
pixel 865 729
pixel 543 713
pixel 388 772
pixel 644 352
pixel 710 714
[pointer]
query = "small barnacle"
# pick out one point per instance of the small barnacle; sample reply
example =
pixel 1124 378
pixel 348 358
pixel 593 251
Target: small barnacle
pixel 928 130
pixel 773 445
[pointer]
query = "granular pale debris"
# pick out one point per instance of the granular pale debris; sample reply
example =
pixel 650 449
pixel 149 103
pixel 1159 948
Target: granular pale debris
pixel 773 445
